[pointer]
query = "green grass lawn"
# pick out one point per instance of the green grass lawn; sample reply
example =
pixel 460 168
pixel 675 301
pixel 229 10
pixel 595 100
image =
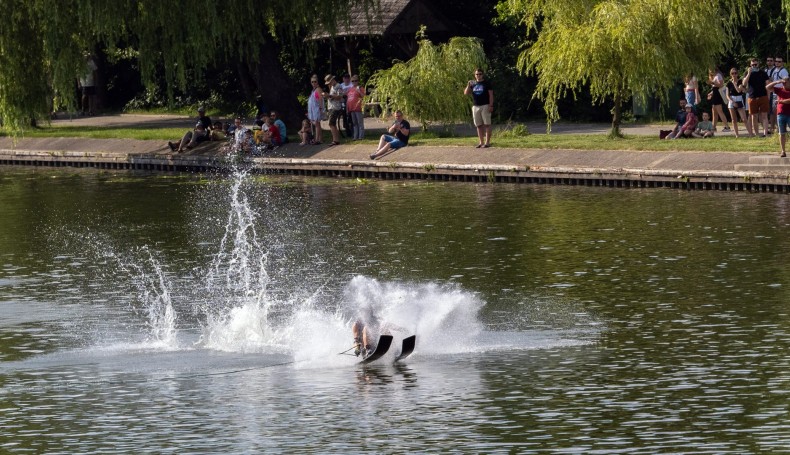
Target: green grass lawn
pixel 602 142
pixel 502 139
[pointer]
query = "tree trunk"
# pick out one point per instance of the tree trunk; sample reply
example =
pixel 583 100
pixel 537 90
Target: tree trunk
pixel 275 88
pixel 617 115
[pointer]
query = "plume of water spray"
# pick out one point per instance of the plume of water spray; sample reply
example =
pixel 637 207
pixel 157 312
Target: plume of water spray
pixel 153 286
pixel 237 304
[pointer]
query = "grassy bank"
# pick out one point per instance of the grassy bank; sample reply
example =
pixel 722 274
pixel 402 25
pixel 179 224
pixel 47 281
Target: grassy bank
pixel 518 138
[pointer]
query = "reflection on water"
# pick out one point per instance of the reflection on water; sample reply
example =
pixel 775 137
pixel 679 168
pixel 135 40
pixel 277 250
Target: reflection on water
pixel 140 314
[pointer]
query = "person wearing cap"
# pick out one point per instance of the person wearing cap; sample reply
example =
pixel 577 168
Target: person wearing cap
pixel 199 134
pixel 335 105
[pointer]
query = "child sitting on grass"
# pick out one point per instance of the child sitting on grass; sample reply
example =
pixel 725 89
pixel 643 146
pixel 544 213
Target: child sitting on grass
pixel 705 127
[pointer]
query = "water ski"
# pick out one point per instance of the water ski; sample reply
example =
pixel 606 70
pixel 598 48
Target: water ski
pixel 381 348
pixel 407 347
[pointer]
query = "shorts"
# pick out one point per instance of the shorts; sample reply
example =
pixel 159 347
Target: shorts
pixel 481 115
pixel 334 116
pixel 691 97
pixel 759 105
pixel 782 121
pixel 394 142
pixel 88 90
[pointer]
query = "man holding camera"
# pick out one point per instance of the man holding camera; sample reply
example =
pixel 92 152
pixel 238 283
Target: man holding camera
pixel 483 105
pixel 398 137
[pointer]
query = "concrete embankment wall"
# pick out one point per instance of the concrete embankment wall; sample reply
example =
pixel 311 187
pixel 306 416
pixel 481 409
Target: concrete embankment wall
pixel 707 171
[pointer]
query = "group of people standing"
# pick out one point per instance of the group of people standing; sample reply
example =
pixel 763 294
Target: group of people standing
pixel 746 96
pixel 337 101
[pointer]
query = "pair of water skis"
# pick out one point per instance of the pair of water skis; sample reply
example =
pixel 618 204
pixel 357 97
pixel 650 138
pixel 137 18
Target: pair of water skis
pixel 385 341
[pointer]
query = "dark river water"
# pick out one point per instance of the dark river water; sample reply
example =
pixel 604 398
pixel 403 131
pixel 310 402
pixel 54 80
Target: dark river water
pixel 204 314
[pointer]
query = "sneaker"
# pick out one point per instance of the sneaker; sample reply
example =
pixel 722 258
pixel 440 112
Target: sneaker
pixel 172 146
pixel 726 128
pixel 372 156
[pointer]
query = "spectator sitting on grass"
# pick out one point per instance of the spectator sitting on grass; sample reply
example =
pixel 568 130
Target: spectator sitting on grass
pixel 680 119
pixel 705 127
pixel 690 125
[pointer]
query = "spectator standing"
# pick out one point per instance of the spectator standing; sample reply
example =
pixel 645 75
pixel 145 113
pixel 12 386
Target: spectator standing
pixel 692 90
pixel 354 97
pixel 783 108
pixel 87 85
pixel 335 106
pixel 756 80
pixel 779 74
pixel 199 134
pixel 483 105
pixel 315 108
pixel 736 101
pixel 347 120
pixel 398 137
pixel 716 81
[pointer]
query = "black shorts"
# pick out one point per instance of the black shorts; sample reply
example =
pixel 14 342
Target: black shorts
pixel 89 91
pixel 334 116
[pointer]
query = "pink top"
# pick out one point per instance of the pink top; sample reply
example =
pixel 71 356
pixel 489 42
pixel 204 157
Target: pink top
pixel 354 101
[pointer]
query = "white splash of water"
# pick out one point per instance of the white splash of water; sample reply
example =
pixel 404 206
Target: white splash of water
pixel 153 288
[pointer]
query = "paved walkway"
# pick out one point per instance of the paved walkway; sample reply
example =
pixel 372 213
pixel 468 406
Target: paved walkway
pixel 452 160
pixel 681 162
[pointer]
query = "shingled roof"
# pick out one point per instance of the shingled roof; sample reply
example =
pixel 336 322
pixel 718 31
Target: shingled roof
pixel 390 17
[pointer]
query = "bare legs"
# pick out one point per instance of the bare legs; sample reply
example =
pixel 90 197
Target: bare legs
pixel 719 111
pixel 484 135
pixel 382 149
pixel 756 119
pixel 317 126
pixel 734 114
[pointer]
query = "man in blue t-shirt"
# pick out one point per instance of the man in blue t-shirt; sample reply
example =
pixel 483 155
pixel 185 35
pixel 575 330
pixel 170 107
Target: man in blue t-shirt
pixel 483 105
pixel 398 137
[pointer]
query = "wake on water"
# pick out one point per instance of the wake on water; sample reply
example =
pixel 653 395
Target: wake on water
pixel 238 311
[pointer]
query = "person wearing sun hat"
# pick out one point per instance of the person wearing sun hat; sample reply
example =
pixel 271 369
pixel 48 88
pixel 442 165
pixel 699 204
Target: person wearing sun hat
pixel 335 106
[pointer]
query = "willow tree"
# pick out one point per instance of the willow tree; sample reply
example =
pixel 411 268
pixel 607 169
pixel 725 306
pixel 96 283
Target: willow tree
pixel 619 49
pixel 429 87
pixel 42 42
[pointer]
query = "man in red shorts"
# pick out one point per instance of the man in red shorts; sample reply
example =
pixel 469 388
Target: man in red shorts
pixel 759 105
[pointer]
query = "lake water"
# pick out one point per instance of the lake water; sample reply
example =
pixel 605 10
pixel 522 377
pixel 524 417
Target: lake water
pixel 199 314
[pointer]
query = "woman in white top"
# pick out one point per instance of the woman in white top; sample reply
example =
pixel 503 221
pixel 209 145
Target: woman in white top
pixel 736 102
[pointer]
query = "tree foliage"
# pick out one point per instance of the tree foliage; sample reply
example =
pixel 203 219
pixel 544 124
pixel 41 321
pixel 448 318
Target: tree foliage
pixel 429 87
pixel 42 42
pixel 619 49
